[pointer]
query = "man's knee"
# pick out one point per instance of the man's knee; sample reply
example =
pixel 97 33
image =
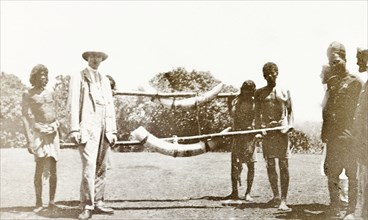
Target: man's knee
pixel 284 164
pixel 53 166
pixel 351 172
pixel 271 162
pixel 332 170
pixel 250 166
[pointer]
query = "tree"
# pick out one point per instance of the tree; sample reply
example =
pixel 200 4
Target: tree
pixel 212 117
pixel 12 90
pixel 61 89
pixel 161 121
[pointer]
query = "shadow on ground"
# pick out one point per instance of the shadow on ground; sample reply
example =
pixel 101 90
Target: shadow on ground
pixel 216 198
pixel 70 209
pixel 64 209
pixel 304 211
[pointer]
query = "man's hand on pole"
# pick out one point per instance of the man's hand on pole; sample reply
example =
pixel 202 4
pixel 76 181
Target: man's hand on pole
pixel 76 137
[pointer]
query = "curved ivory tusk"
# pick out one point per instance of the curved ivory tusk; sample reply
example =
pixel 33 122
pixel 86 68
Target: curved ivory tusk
pixel 166 148
pixel 189 102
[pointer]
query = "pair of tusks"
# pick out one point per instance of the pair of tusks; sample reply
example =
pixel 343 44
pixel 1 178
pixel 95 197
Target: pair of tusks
pixel 187 150
pixel 189 102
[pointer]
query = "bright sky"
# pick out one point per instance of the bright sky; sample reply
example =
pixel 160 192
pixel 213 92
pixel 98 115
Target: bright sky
pixel 231 39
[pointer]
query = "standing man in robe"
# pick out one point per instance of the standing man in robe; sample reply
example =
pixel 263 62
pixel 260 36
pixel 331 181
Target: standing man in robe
pixel 93 128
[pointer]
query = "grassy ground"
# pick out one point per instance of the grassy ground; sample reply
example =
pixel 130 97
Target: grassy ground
pixel 154 186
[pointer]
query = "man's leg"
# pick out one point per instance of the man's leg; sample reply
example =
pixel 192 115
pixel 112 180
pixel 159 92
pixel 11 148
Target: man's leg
pixel 284 179
pixel 365 195
pixel 38 183
pixel 363 183
pixel 88 153
pixel 100 176
pixel 351 173
pixel 333 171
pixel 52 181
pixel 333 188
pixel 332 168
pixel 250 178
pixel 272 177
pixel 234 176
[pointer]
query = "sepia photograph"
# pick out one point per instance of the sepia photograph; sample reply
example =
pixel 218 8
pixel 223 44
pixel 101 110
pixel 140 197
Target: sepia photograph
pixel 183 109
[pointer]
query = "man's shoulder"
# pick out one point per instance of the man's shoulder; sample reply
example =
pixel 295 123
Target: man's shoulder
pixel 80 74
pixel 27 93
pixel 260 90
pixel 84 71
pixel 30 91
pixel 350 80
pixel 235 100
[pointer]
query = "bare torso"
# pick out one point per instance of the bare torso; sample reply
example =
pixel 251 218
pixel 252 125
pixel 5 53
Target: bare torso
pixel 42 105
pixel 271 106
pixel 243 114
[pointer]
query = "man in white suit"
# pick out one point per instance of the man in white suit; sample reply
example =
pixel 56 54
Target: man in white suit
pixel 93 128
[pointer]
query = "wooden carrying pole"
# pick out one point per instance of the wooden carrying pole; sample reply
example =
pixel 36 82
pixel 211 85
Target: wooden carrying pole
pixel 195 137
pixel 171 95
pixel 214 135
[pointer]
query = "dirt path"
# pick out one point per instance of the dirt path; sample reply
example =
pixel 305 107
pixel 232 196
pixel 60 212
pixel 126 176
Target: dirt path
pixel 154 186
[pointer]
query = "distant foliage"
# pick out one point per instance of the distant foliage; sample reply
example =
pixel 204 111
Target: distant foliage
pixel 306 138
pixel 11 134
pixel 161 121
pixel 61 89
pixel 304 143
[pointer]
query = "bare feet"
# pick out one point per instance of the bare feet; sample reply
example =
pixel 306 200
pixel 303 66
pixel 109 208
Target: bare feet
pixel 333 213
pixel 283 207
pixel 37 209
pixel 274 202
pixel 52 207
pixel 232 196
pixel 248 198
pixel 349 217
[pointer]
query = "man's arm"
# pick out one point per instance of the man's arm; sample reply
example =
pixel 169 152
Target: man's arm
pixel 355 90
pixel 232 107
pixel 56 115
pixel 111 130
pixel 27 121
pixel 74 105
pixel 257 107
pixel 351 105
pixel 74 102
pixel 290 113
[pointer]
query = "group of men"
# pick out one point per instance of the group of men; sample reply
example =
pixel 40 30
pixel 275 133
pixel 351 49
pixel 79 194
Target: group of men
pixel 267 107
pixel 344 131
pixel 93 129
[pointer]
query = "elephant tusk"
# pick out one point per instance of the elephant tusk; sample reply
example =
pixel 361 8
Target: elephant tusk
pixel 166 148
pixel 189 102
